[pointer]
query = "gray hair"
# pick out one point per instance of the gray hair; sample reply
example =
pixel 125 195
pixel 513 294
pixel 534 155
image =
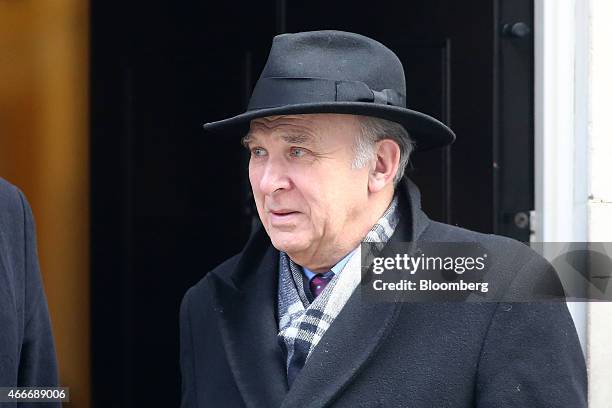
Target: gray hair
pixel 375 129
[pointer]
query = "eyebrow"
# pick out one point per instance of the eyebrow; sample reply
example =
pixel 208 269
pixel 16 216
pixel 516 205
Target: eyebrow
pixel 297 138
pixel 290 137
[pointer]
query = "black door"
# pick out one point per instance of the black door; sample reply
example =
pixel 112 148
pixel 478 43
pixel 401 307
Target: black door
pixel 169 202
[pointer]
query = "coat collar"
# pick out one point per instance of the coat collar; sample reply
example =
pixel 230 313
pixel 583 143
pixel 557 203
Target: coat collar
pixel 247 301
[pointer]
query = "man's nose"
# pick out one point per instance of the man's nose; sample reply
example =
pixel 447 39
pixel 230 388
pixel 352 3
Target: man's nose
pixel 275 177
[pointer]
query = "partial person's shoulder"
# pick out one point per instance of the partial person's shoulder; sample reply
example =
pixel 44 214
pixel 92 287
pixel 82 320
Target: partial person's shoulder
pixel 15 217
pixel 11 200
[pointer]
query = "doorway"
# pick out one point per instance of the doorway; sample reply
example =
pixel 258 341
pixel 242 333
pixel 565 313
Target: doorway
pixel 170 202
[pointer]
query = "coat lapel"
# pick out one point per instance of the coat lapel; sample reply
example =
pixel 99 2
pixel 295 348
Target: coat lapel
pixel 358 330
pixel 247 311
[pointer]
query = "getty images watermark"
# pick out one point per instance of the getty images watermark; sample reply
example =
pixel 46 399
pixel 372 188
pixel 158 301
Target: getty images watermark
pixel 471 272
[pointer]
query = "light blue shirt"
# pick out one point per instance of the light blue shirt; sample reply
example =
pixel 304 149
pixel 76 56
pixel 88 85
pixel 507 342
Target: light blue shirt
pixel 336 269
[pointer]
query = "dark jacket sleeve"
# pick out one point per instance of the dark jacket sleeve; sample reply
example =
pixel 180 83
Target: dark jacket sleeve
pixel 531 356
pixel 37 363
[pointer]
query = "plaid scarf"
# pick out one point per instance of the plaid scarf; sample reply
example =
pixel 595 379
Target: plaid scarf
pixel 302 324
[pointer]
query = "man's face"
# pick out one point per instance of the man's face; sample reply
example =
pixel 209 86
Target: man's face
pixel 308 196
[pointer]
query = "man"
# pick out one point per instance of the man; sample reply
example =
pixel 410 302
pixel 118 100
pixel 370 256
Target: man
pixel 27 353
pixel 284 324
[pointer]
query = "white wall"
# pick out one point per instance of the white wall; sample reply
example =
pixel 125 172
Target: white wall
pixel 600 193
pixel 561 128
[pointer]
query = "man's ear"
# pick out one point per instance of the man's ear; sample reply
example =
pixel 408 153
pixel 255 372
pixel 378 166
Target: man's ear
pixel 386 164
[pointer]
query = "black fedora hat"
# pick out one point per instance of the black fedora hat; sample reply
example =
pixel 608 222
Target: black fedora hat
pixel 335 72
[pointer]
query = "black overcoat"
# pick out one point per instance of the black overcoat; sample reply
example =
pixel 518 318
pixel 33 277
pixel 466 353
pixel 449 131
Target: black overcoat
pixel 381 354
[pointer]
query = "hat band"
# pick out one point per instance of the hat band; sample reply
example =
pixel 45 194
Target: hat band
pixel 272 92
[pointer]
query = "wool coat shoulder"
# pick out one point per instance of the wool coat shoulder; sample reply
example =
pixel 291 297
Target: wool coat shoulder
pixel 385 354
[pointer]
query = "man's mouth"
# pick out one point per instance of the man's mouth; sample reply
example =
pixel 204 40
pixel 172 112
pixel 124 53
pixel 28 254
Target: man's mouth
pixel 283 212
pixel 281 217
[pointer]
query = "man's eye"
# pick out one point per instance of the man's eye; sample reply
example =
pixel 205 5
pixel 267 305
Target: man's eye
pixel 258 152
pixel 297 152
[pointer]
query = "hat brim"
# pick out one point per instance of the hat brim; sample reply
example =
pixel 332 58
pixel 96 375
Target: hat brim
pixel 427 132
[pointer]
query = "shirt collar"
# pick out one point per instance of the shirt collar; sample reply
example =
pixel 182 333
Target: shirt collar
pixel 336 269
